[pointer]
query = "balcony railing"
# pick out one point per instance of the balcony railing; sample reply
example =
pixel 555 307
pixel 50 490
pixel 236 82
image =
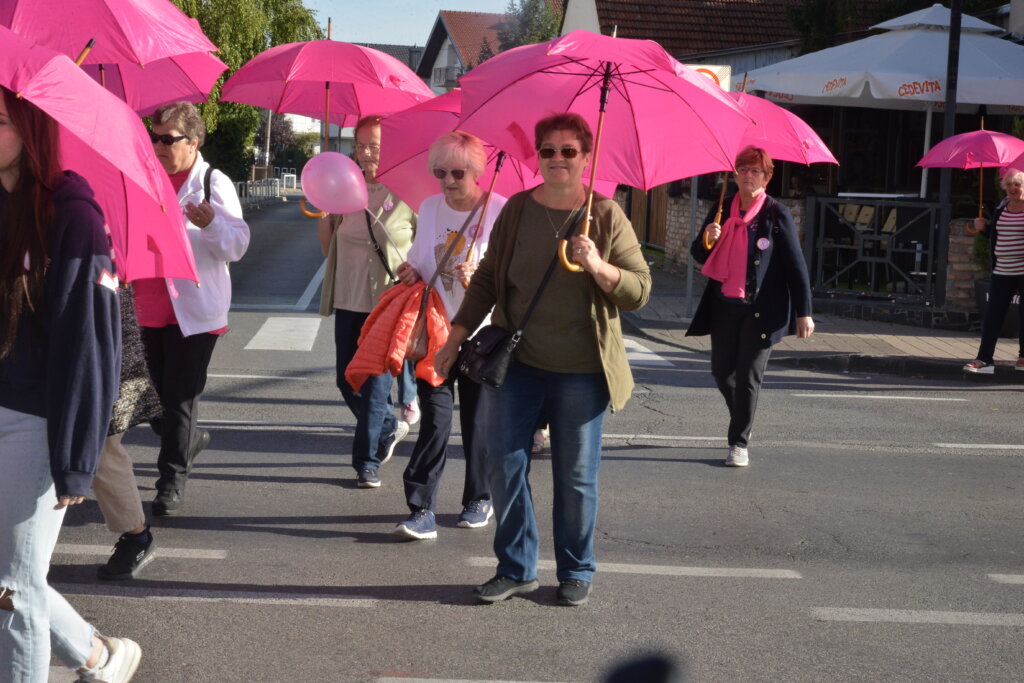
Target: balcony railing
pixel 445 75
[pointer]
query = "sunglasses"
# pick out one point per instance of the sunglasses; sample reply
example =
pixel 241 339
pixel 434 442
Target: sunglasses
pixel 549 152
pixel 457 174
pixel 166 139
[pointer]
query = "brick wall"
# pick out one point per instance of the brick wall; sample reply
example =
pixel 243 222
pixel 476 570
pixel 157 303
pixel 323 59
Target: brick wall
pixel 961 271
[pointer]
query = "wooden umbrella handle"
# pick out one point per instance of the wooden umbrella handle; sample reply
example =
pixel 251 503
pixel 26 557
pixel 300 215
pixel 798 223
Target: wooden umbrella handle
pixel 708 242
pixel 308 213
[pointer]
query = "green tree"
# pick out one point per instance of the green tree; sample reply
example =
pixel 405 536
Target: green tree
pixel 486 51
pixel 818 22
pixel 241 29
pixel 529 21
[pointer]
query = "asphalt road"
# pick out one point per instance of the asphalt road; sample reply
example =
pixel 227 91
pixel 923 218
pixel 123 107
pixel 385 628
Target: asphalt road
pixel 875 536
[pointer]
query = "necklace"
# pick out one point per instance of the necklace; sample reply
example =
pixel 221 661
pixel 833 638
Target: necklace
pixel 558 229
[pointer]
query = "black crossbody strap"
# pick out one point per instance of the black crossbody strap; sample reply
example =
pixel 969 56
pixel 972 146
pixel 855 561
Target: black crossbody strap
pixel 370 219
pixel 452 244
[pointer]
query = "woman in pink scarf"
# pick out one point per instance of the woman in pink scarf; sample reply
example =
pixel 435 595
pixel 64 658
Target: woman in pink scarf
pixel 758 292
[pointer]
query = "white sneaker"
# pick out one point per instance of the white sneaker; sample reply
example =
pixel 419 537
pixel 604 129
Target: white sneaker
pixel 385 449
pixel 411 412
pixel 122 661
pixel 977 367
pixel 737 457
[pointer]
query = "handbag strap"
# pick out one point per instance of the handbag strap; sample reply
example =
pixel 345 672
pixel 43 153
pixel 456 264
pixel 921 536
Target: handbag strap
pixel 370 220
pixel 444 258
pixel 543 283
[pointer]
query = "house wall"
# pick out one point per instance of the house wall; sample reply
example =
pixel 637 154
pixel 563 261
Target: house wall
pixel 447 57
pixel 581 14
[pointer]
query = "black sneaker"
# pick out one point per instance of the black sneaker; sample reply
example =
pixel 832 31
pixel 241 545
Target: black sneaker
pixel 130 556
pixel 573 592
pixel 368 479
pixel 168 503
pixel 202 441
pixel 502 588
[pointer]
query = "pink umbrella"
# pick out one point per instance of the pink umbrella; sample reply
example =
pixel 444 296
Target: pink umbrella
pixel 189 77
pixel 780 132
pixel 409 134
pixel 665 120
pixel 103 140
pixel 327 80
pixel 126 31
pixel 978 149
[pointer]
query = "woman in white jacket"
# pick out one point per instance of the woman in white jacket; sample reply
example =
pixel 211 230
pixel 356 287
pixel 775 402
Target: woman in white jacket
pixel 181 322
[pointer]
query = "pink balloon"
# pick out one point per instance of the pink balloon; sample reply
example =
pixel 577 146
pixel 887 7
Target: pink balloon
pixel 334 183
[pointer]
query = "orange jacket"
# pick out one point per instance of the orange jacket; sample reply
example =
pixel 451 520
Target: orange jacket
pixel 386 333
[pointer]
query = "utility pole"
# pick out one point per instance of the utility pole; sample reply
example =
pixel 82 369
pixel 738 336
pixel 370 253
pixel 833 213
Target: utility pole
pixel 266 142
pixel 945 174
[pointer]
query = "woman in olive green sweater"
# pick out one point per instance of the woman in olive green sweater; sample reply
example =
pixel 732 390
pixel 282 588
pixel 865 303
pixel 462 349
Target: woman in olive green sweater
pixel 569 366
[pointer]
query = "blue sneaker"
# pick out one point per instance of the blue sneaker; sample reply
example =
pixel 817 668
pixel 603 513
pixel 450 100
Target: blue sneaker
pixel 476 514
pixel 368 479
pixel 420 525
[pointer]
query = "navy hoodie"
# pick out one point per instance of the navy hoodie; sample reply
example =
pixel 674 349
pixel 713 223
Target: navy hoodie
pixel 65 363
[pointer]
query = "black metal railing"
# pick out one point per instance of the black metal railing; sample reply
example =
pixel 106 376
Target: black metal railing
pixel 873 249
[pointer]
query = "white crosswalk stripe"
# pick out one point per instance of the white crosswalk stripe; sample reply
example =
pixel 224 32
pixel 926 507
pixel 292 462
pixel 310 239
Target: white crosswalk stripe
pixel 639 355
pixel 179 553
pixel 280 333
pixel 666 570
pixel 913 616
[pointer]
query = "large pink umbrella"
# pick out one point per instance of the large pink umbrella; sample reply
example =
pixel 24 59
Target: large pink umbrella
pixel 103 140
pixel 780 132
pixel 126 31
pixel 188 77
pixel 327 80
pixel 978 149
pixel 409 134
pixel 664 120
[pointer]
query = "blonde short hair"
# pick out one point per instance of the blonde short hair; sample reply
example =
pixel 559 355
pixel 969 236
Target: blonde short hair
pixel 458 148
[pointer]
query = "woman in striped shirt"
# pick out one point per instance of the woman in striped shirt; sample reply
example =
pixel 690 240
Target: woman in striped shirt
pixel 1006 240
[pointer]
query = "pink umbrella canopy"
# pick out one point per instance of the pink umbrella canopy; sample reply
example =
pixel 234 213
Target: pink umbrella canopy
pixel 103 140
pixel 188 77
pixel 977 149
pixel 780 132
pixel 663 120
pixel 407 137
pixel 126 31
pixel 326 79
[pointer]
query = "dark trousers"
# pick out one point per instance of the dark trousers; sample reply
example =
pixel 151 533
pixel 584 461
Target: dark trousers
pixel 738 361
pixel 372 405
pixel 178 367
pixel 423 474
pixel 1000 295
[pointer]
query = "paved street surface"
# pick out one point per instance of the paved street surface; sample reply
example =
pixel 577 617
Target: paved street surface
pixel 875 536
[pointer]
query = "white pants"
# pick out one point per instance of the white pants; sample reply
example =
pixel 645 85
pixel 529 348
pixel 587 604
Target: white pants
pixel 28 533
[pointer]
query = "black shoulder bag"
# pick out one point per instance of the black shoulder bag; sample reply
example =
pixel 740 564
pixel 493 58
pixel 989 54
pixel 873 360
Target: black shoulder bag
pixel 485 357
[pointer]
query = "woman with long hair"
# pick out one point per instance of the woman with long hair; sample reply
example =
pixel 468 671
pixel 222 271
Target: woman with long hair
pixel 59 364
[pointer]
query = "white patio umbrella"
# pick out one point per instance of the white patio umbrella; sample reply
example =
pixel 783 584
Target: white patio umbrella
pixel 903 68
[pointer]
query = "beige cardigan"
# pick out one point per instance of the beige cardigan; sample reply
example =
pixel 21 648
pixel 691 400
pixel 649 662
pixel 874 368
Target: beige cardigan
pixel 400 223
pixel 613 234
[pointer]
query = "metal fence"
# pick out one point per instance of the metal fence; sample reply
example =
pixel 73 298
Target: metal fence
pixel 254 191
pixel 874 249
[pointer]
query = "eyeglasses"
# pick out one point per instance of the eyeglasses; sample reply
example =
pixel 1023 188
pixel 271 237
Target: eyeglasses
pixel 549 152
pixel 749 170
pixel 372 149
pixel 456 173
pixel 166 139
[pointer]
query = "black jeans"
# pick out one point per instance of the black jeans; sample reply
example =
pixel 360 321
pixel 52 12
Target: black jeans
pixel 178 367
pixel 1000 295
pixel 738 362
pixel 423 474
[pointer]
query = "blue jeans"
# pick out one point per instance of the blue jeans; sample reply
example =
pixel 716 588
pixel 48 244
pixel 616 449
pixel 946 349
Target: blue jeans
pixel 575 406
pixel 29 525
pixel 407 383
pixel 372 406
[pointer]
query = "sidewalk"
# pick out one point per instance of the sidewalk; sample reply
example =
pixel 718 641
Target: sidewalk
pixel 838 344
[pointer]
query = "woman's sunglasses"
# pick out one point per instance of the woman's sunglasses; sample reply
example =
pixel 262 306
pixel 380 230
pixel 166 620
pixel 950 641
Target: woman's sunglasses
pixel 166 139
pixel 549 152
pixel 457 174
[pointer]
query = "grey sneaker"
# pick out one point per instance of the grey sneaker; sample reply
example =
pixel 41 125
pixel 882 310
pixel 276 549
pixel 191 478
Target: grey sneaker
pixel 573 592
pixel 368 479
pixel 502 588
pixel 737 457
pixel 122 661
pixel 386 447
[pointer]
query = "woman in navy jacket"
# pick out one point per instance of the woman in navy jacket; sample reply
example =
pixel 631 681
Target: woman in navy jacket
pixel 758 292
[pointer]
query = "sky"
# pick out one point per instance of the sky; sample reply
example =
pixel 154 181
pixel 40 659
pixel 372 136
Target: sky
pixel 398 22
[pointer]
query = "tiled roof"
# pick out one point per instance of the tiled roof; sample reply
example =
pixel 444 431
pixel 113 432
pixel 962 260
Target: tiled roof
pixel 407 54
pixel 685 27
pixel 467 31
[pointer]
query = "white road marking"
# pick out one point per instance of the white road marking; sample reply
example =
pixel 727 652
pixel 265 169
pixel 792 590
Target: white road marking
pixel 983 446
pixel 1007 578
pixel 445 680
pixel 298 379
pixel 240 597
pixel 911 616
pixel 312 288
pixel 104 550
pixel 285 334
pixel 639 355
pixel 881 397
pixel 665 570
pixel 659 437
